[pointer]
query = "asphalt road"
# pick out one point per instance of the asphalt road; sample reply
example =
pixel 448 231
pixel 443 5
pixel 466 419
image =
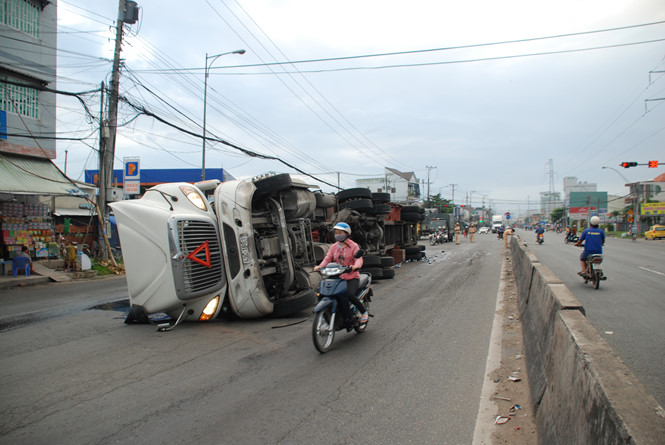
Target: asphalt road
pixel 628 309
pixel 415 375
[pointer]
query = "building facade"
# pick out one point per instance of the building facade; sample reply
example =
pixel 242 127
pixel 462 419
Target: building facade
pixel 402 186
pixel 28 63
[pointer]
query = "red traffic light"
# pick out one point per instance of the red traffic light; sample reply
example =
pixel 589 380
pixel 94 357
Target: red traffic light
pixel 653 164
pixel 628 164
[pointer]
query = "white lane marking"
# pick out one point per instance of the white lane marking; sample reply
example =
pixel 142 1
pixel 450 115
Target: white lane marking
pixel 487 409
pixel 651 270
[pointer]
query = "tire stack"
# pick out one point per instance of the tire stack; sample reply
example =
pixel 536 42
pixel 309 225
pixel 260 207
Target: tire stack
pixel 380 267
pixel 359 199
pixel 415 253
pixel 381 204
pixel 412 214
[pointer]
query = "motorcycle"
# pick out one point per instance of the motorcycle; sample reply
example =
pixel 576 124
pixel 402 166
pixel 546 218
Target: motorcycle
pixel 328 318
pixel 570 238
pixel 437 238
pixel 593 272
pixel 540 239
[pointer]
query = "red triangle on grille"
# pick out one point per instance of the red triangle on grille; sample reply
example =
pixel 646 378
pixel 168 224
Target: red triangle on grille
pixel 204 246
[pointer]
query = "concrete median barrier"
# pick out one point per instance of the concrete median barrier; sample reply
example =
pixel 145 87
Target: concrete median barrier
pixel 580 390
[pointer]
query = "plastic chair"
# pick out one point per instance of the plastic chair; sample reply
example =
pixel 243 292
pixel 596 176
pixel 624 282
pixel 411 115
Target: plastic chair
pixel 19 263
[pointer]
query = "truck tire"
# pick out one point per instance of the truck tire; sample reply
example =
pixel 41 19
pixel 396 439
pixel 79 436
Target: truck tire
pixel 294 304
pixel 372 261
pixel 376 272
pixel 382 209
pixel 357 204
pixel 381 198
pixel 387 261
pixel 354 193
pixel 272 183
pixel 411 216
pixel 388 273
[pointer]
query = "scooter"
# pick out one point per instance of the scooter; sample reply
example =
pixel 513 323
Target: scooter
pixel 570 238
pixel 328 318
pixel 540 239
pixel 593 272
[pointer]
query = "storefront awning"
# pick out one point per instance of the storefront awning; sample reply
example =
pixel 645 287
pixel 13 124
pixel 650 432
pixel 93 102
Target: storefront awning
pixel 33 176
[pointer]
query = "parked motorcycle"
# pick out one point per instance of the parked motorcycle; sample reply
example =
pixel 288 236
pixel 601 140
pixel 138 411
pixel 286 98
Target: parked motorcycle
pixel 437 238
pixel 328 318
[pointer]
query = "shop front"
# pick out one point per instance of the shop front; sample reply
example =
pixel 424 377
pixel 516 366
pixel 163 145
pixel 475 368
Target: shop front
pixel 28 186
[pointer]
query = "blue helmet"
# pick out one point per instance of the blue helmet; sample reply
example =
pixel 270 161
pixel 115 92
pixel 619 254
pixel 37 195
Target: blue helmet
pixel 343 226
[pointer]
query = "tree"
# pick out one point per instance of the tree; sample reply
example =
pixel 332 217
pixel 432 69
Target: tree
pixel 557 214
pixel 442 205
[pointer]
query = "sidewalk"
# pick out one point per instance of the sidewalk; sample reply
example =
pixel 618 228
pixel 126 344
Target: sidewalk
pixel 43 274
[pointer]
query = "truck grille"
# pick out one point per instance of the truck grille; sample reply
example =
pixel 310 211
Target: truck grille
pixel 198 278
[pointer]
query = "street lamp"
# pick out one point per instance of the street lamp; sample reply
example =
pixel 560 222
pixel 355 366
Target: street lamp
pixel 619 173
pixel 205 102
pixel 636 219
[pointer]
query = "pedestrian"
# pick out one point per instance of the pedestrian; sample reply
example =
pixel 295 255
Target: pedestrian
pixel 508 232
pixel 458 232
pixel 472 233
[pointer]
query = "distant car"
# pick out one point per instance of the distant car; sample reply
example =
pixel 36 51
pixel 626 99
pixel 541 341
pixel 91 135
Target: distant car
pixel 484 229
pixel 655 232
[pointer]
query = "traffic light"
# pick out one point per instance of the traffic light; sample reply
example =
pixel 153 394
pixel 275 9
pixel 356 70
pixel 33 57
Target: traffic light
pixel 628 164
pixel 653 164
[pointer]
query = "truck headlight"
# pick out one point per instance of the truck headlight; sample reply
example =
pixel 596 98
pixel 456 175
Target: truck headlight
pixel 210 309
pixel 194 196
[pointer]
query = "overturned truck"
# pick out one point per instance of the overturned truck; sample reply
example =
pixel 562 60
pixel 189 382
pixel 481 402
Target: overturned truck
pixel 245 248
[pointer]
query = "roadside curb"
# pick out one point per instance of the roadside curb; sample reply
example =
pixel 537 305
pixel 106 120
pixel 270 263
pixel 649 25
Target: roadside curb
pixel 581 392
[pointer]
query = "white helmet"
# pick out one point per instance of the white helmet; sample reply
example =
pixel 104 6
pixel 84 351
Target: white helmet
pixel 594 221
pixel 343 226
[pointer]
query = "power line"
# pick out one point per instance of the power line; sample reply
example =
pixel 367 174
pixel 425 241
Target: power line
pixel 450 48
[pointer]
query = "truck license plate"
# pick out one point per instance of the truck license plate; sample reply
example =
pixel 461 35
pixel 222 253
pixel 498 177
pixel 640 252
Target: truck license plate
pixel 244 248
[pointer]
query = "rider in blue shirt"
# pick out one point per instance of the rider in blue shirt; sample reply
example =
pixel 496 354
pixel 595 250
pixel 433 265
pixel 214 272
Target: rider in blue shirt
pixel 594 239
pixel 540 231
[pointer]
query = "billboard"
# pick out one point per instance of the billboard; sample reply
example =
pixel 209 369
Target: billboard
pixel 586 204
pixel 652 208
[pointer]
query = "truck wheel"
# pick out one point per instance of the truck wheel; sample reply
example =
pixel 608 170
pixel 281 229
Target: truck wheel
pixel 382 209
pixel 381 198
pixel 357 204
pixel 372 261
pixel 376 272
pixel 358 192
pixel 294 304
pixel 411 216
pixel 272 183
pixel 388 273
pixel 387 261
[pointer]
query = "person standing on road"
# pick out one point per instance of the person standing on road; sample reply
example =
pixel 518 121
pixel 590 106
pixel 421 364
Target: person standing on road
pixel 458 232
pixel 594 240
pixel 508 232
pixel 472 233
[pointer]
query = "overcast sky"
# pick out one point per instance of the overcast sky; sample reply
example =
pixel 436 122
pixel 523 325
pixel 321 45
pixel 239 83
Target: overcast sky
pixel 484 93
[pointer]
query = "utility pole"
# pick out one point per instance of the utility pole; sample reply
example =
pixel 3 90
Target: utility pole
pixel 428 195
pixel 107 146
